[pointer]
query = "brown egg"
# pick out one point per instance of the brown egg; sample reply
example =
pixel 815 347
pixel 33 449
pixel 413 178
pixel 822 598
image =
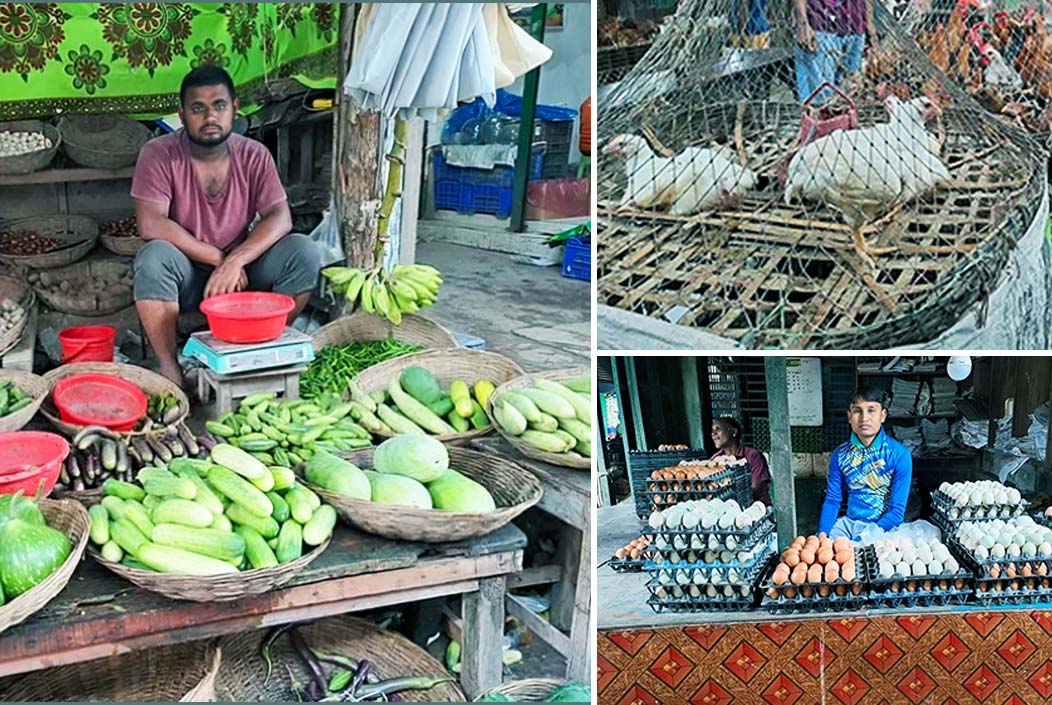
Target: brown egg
pixel 825 555
pixel 619 553
pixel 780 577
pixel 825 545
pixel 811 541
pixel 791 557
pixel 832 572
pixel 656 475
pixel 790 593
pixel 823 590
pixel 995 571
pixel 807 591
pixel 798 575
pixel 814 574
pixel 844 556
pixel 847 572
pixel 822 535
pixel 807 556
pixel 1042 569
pixel 1027 570
pixel 798 542
pixel 841 544
pixel 1010 571
pixel 773 594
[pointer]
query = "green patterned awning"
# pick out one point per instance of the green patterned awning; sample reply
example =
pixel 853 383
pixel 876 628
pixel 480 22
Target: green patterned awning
pixel 131 57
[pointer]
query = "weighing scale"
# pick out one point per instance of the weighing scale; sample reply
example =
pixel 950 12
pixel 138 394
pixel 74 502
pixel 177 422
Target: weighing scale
pixel 291 348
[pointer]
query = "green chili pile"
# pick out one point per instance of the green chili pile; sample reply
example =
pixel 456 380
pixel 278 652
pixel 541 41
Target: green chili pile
pixel 335 365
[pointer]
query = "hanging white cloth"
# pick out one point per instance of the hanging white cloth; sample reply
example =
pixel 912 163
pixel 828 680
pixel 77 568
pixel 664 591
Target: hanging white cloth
pixel 423 58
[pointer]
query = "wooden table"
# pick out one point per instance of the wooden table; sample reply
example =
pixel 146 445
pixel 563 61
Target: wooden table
pixel 567 497
pixel 99 614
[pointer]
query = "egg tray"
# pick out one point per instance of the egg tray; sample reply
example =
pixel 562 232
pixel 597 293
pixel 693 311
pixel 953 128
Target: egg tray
pixel 943 504
pixel 627 565
pixel 744 538
pixel 982 568
pixel 855 592
pixel 739 492
pixel 1000 591
pixel 748 573
pixel 1041 519
pixel 703 603
pixel 642 463
pixel 885 585
pixel 721 479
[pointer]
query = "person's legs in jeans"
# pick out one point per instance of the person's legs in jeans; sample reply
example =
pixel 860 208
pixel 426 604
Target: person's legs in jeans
pixel 290 267
pixel 815 68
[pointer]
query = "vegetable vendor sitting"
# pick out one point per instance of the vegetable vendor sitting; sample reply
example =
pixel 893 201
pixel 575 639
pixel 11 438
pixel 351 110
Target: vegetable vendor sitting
pixel 874 468
pixel 197 193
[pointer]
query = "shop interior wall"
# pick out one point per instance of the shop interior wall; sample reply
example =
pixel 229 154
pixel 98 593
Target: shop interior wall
pixel 103 200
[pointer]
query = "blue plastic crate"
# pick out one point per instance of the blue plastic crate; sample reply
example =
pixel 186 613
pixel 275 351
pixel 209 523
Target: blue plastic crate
pixel 577 260
pixel 467 190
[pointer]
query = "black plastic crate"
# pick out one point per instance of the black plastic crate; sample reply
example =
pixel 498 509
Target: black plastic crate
pixel 627 565
pixel 808 597
pixel 641 463
pixel 920 598
pixel 942 589
pixel 680 598
pixel 733 571
pixel 944 506
pixel 698 539
pixel 558 137
pixel 702 604
pixel 1003 589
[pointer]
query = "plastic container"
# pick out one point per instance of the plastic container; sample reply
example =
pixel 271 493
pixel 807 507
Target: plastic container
pixel 585 141
pixel 577 260
pixel 468 190
pixel 247 316
pixel 87 343
pixel 98 399
pixel 27 457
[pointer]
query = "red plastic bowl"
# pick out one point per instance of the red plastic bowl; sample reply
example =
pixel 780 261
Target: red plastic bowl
pixel 95 399
pixel 27 457
pixel 247 316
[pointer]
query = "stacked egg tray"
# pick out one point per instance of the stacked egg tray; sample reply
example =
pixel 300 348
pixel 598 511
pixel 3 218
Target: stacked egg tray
pixel 729 483
pixel 641 463
pixel 727 583
pixel 808 597
pixel 627 565
pixel 1003 590
pixel 917 591
pixel 954 514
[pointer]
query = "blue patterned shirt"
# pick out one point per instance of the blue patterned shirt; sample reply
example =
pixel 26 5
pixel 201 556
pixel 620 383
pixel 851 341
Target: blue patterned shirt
pixel 877 480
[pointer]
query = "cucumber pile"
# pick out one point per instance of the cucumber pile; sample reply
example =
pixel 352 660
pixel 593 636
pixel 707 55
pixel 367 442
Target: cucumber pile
pixel 12 398
pixel 212 516
pixel 555 417
pixel 414 403
pixel 286 433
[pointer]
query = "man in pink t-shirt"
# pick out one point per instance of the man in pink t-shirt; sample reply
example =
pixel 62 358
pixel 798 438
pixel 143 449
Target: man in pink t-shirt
pixel 197 192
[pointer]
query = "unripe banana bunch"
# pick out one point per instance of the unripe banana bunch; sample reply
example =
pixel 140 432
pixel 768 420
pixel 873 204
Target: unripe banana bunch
pixel 406 289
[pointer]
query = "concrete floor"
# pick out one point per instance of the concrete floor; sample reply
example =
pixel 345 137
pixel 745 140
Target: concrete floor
pixel 532 314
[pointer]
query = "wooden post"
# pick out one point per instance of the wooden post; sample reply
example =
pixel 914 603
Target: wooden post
pixel 357 147
pixel 781 449
pixel 692 401
pixel 483 614
pixel 624 423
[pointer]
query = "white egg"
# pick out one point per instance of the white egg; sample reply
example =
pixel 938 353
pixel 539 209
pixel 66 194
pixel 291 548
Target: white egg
pixel 697 543
pixel 1029 549
pixel 950 565
pixel 1013 550
pixel 660 541
pixel 903 569
pixel 1045 549
pixel 690 520
pixel 726 521
pixel 998 551
pixel 941 553
pixel 699 578
pixel 673 521
pixel 885 569
pixel 679 542
pixel 919 568
pixel 935 568
pixel 694 591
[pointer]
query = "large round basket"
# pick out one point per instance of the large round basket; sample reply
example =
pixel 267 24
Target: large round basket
pixel 243 677
pixel 514 490
pixel 71 519
pixel 177 673
pixel 34 161
pixel 77 300
pixel 212 588
pixel 18 292
pixel 124 246
pixel 533 690
pixel 78 234
pixel 446 366
pixel 414 330
pixel 569 460
pixel 34 386
pixel 102 141
pixel 148 381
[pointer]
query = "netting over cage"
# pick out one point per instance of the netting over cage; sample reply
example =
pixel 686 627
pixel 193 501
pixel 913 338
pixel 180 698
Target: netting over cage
pixel 727 204
pixel 997 51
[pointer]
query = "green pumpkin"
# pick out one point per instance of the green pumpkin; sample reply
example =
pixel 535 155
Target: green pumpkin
pixel 571 693
pixel 29 551
pixel 15 505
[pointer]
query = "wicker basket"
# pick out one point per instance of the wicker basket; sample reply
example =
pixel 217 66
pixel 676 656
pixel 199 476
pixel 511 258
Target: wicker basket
pixel 71 519
pixel 19 292
pixel 243 675
pixel 102 141
pixel 124 246
pixel 76 301
pixel 147 381
pixel 212 588
pixel 85 497
pixel 514 490
pixel 534 690
pixel 565 459
pixel 414 330
pixel 34 161
pixel 31 384
pixel 446 366
pixel 79 234
pixel 177 673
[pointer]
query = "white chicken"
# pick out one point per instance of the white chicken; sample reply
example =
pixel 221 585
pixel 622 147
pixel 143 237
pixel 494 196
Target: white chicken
pixel 864 172
pixel 696 179
pixel 650 178
pixel 706 178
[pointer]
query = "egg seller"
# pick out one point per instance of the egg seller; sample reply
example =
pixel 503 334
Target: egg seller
pixel 874 469
pixel 727 436
pixel 215 216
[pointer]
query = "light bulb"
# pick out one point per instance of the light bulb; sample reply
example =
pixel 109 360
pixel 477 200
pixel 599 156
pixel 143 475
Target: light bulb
pixel 959 367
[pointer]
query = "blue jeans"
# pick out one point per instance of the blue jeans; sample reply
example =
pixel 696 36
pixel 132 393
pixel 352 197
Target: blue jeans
pixel 837 56
pixel 757 22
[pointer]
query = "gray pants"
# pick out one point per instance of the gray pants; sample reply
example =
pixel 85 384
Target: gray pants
pixel 164 273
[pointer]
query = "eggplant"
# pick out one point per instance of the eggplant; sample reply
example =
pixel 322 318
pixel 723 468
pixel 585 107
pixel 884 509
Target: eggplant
pixel 188 440
pixel 143 448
